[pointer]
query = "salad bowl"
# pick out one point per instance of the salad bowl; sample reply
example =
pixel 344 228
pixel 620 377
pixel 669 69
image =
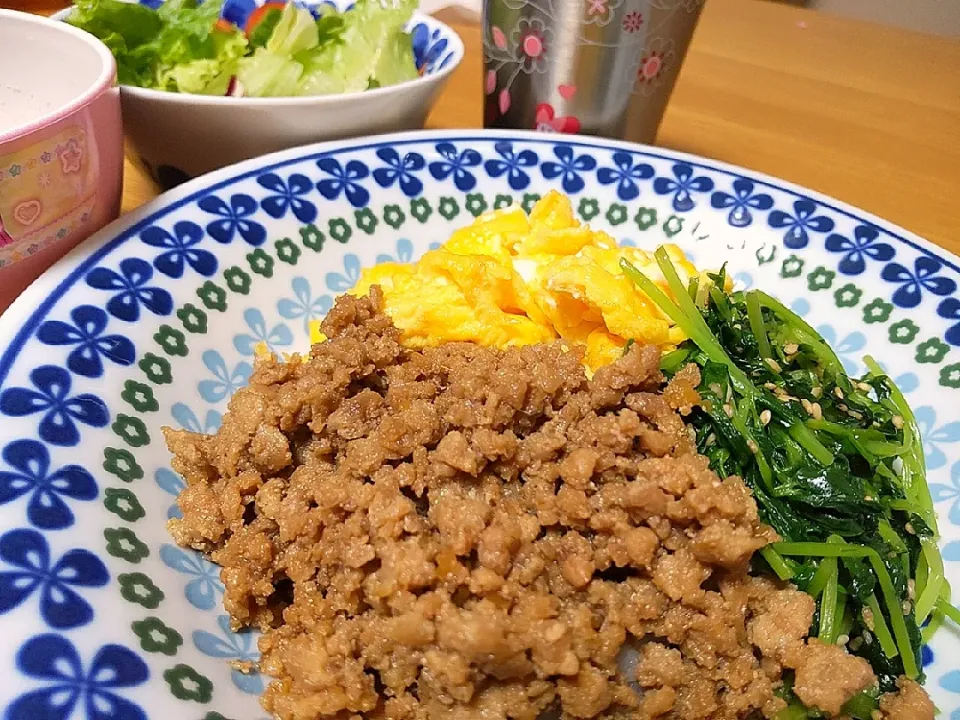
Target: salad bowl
pixel 178 135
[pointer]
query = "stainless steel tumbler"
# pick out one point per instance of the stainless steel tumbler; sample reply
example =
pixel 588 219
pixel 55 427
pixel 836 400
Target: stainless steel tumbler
pixel 599 67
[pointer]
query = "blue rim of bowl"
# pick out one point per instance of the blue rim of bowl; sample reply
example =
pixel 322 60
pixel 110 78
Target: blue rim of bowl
pixel 455 43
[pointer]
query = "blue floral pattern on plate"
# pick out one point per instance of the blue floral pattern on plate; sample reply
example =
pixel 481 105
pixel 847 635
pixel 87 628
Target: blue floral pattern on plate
pixel 180 250
pixel 923 277
pixel 235 215
pixel 404 253
pixel 950 309
pixel 935 436
pixel 90 344
pixel 569 167
pixel 158 326
pixel 303 305
pixel 188 420
pixel 340 282
pixel 29 473
pixel 799 223
pixel 131 282
pixel 682 186
pixel 457 164
pixel 744 199
pixel 53 660
pixel 227 381
pixel 172 484
pixel 949 493
pixel 32 570
pixel 400 170
pixel 344 179
pixel 275 338
pixel 849 348
pixel 288 195
pixel 59 412
pixel 626 175
pixel 203 591
pixel 230 645
pixel 511 164
pixel 856 251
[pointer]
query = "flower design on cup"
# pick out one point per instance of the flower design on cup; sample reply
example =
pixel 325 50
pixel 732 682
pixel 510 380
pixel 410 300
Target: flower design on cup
pixel 600 12
pixel 632 22
pixel 496 46
pixel 657 57
pixel 546 120
pixel 532 39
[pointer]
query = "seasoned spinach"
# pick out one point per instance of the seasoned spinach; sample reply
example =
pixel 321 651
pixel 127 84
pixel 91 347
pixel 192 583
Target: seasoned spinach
pixel 835 464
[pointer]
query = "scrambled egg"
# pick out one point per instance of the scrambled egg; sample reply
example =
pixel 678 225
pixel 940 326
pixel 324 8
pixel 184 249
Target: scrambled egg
pixel 515 279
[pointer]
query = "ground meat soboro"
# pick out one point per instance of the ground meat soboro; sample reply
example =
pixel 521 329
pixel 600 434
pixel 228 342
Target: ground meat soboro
pixel 465 533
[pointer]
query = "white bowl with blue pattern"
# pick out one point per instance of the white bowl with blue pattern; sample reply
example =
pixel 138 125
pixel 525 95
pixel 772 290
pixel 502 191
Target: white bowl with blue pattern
pixel 154 322
pixel 177 136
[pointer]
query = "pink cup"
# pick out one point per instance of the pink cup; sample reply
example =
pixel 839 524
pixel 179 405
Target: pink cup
pixel 61 144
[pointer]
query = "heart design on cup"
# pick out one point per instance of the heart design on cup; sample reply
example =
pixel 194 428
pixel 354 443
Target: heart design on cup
pixel 567 91
pixel 27 212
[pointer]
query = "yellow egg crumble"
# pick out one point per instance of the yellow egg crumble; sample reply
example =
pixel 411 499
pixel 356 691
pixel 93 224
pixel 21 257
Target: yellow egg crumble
pixel 510 278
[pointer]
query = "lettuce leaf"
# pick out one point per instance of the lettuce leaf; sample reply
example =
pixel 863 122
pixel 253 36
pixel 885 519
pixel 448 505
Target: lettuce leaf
pixel 207 76
pixel 272 70
pixel 180 42
pixel 370 51
pixel 396 63
pixel 295 32
pixel 181 47
pixel 131 23
pixel 261 33
pixel 127 29
pixel 267 74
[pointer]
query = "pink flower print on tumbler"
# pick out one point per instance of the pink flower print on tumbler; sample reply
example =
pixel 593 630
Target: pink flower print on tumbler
pixel 623 55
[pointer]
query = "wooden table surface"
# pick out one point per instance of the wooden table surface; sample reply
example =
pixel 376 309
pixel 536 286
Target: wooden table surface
pixel 864 113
